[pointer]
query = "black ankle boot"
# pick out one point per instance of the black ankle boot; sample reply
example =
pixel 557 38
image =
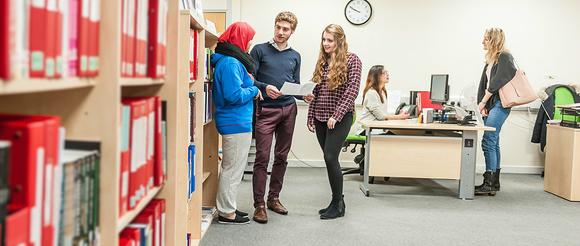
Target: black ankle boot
pixel 336 209
pixel 487 188
pixel 497 179
pixel 327 207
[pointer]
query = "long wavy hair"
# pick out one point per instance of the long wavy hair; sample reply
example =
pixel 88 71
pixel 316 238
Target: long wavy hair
pixel 337 69
pixel 374 82
pixel 496 46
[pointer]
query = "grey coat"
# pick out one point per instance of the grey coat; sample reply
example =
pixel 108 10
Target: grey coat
pixel 501 73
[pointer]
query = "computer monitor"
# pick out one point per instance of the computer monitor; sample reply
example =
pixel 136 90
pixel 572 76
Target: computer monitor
pixel 439 88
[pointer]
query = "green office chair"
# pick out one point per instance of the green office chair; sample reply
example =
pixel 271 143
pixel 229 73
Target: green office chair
pixel 562 96
pixel 355 139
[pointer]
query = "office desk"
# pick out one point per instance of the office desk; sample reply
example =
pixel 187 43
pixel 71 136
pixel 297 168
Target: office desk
pixel 447 152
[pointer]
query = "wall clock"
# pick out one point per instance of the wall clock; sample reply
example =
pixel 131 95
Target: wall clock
pixel 358 12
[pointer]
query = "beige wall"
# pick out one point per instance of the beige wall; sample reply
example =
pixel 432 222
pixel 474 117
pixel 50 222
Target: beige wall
pixel 417 38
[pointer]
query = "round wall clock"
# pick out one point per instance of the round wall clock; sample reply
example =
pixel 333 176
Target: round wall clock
pixel 358 12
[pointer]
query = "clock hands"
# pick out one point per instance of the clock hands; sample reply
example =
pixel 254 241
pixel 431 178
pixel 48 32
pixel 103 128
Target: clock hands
pixel 354 9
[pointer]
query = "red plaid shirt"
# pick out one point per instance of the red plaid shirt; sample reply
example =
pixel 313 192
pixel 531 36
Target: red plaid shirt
pixel 336 103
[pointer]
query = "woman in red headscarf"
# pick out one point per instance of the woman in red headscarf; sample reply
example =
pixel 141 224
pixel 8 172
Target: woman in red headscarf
pixel 233 95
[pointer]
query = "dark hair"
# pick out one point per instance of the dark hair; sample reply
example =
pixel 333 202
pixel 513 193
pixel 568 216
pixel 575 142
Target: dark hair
pixel 373 81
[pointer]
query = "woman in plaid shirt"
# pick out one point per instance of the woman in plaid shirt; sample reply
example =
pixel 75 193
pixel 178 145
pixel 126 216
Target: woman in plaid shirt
pixel 330 114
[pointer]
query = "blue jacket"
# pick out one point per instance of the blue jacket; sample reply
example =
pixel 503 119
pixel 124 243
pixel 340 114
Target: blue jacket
pixel 233 95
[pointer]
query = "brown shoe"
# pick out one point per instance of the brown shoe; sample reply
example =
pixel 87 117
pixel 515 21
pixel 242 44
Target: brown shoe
pixel 260 215
pixel 277 207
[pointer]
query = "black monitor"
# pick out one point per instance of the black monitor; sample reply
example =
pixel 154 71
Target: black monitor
pixel 439 88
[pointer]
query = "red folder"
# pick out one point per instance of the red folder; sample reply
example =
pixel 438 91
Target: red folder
pixel 73 40
pixel 141 28
pixel 124 8
pixel 157 32
pixel 5 47
pixel 50 38
pixel 37 37
pixel 27 161
pixel 131 234
pixel 151 136
pixel 145 219
pixel 195 53
pixel 425 101
pixel 138 147
pixel 17 230
pixel 58 59
pixel 125 161
pixel 157 207
pixel 130 45
pixel 83 38
pixel 94 31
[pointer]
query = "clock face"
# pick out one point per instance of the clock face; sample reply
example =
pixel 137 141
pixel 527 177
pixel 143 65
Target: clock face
pixel 358 12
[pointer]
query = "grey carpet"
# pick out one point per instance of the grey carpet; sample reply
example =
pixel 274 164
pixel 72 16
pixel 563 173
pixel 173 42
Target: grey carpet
pixel 407 212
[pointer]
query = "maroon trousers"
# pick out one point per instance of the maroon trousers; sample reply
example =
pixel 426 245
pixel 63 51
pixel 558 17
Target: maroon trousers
pixel 270 122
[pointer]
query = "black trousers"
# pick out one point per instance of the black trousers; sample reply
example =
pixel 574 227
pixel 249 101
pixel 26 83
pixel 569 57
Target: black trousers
pixel 331 141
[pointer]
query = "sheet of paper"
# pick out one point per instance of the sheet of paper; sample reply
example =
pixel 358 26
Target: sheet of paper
pixel 393 100
pixel 293 89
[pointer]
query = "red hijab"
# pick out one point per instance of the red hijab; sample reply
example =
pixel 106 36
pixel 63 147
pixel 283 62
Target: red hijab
pixel 239 34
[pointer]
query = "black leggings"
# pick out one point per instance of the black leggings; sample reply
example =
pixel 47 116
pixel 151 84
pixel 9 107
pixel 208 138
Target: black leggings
pixel 331 141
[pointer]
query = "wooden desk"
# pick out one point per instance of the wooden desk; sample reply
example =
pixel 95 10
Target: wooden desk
pixel 562 169
pixel 448 152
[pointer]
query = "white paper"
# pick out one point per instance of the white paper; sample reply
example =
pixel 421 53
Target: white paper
pixel 393 100
pixel 294 89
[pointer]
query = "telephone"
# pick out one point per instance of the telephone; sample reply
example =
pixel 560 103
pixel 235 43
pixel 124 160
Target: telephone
pixel 410 109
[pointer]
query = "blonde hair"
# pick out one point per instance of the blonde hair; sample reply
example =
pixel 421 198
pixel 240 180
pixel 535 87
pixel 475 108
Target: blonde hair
pixel 337 69
pixel 288 17
pixel 496 44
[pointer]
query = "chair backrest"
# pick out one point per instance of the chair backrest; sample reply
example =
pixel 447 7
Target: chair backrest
pixel 562 96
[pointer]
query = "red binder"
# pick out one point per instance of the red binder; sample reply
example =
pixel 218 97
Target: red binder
pixel 425 101
pixel 138 148
pixel 131 234
pixel 37 37
pixel 5 47
pixel 50 38
pixel 125 160
pixel 124 30
pixel 157 32
pixel 73 40
pixel 130 45
pixel 141 27
pixel 58 59
pixel 195 53
pixel 27 161
pixel 83 38
pixel 17 230
pixel 157 207
pixel 151 136
pixel 94 42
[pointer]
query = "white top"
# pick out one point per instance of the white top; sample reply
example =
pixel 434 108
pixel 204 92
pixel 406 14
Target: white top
pixel 372 109
pixel 488 73
pixel 276 45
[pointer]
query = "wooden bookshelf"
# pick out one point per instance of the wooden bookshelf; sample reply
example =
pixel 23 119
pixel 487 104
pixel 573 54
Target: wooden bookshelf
pixel 23 86
pixel 140 81
pixel 90 109
pixel 128 217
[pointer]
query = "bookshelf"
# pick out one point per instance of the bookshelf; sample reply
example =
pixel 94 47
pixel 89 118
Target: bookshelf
pixel 90 109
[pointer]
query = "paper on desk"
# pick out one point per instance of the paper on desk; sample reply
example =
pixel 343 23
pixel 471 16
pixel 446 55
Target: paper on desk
pixel 293 89
pixel 393 100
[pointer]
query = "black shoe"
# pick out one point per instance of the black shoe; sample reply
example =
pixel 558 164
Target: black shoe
pixel 488 186
pixel 239 220
pixel 337 209
pixel 243 214
pixel 497 179
pixel 324 209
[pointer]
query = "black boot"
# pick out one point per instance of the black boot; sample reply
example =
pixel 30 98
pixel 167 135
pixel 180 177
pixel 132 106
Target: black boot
pixel 497 179
pixel 336 209
pixel 327 207
pixel 487 188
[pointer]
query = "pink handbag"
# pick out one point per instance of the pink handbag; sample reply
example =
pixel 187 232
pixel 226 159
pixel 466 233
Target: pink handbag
pixel 517 91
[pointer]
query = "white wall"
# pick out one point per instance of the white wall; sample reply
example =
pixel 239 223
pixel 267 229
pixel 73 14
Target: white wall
pixel 415 38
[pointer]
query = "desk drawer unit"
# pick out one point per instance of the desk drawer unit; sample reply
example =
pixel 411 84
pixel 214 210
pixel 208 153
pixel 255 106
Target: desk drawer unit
pixel 415 156
pixel 562 170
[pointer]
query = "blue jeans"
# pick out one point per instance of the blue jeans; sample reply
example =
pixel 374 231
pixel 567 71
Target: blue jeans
pixel 490 142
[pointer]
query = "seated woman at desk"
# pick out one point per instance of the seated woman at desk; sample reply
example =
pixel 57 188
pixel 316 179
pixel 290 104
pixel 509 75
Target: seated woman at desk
pixel 375 98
